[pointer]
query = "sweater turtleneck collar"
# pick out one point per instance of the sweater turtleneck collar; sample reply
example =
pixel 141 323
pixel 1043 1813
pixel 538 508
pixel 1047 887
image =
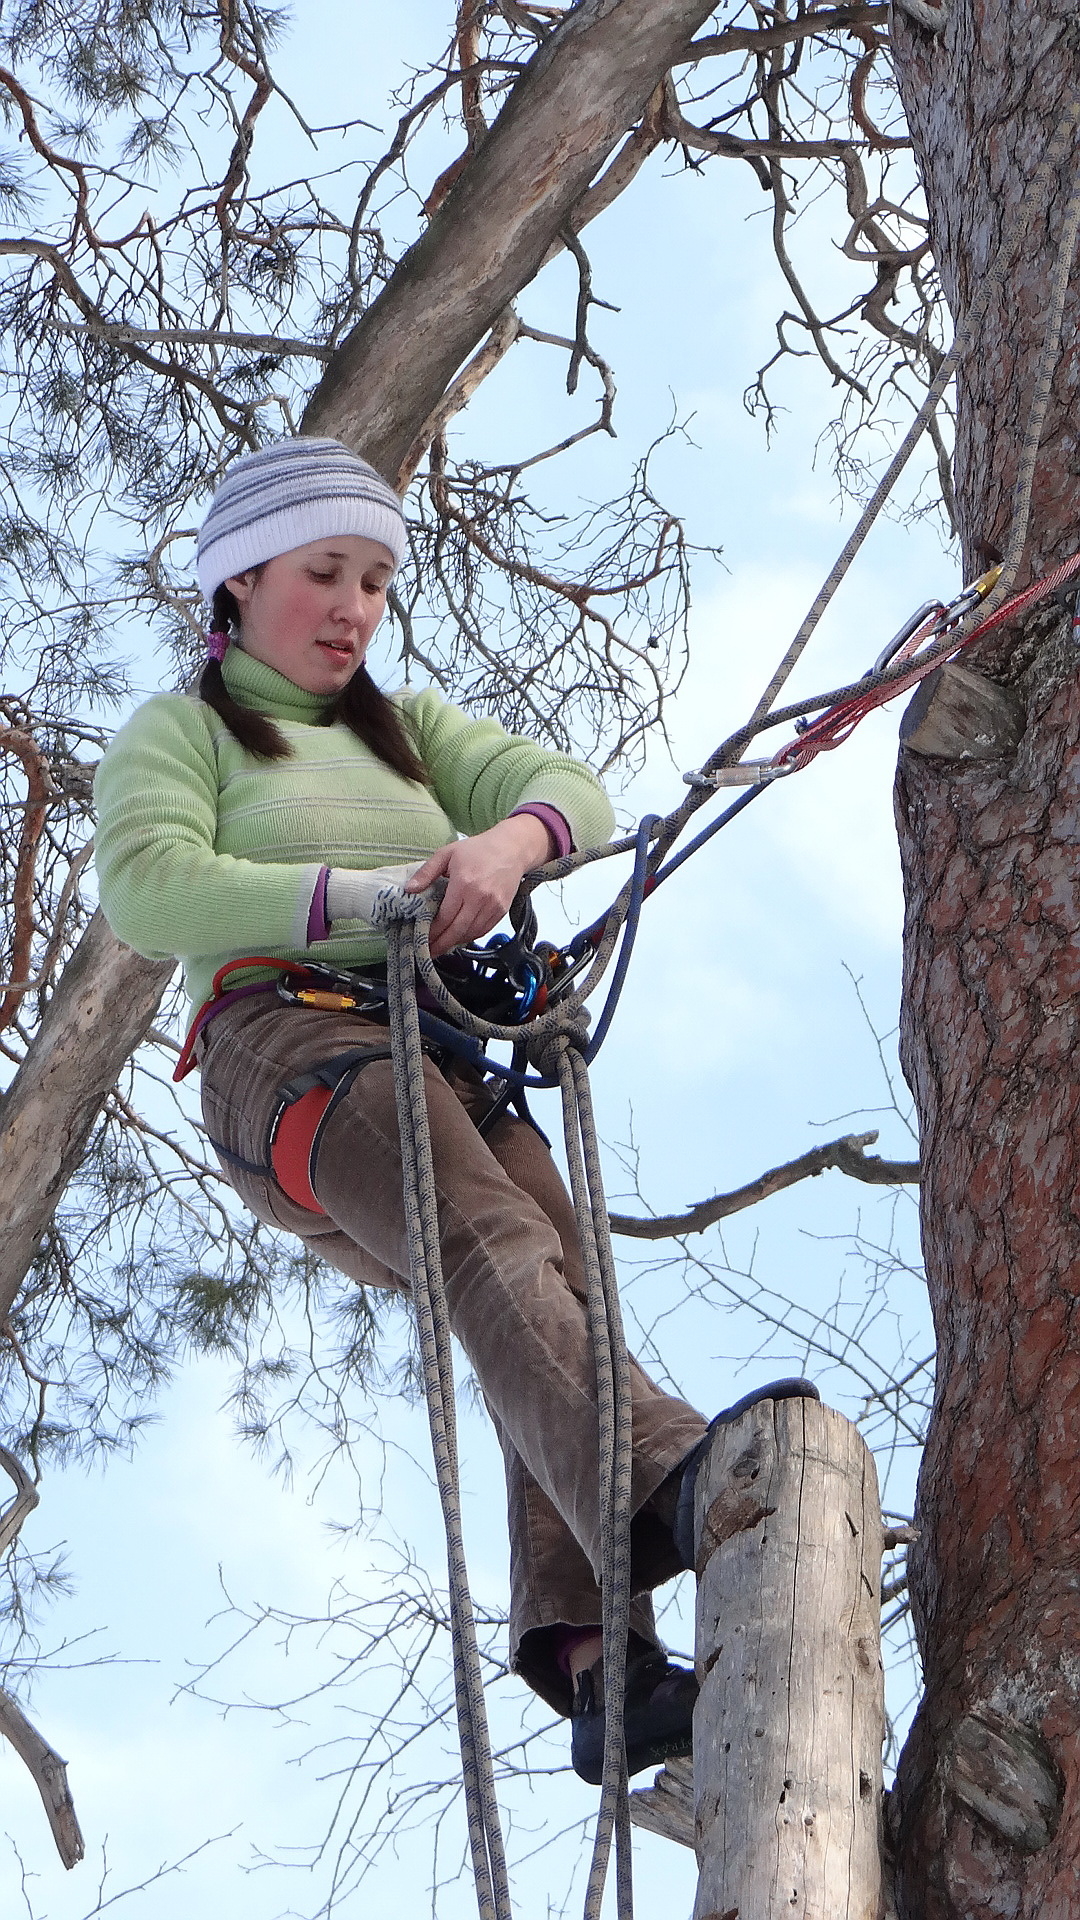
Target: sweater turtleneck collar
pixel 253 684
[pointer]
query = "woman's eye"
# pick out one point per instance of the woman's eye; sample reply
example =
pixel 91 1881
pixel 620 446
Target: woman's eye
pixel 324 579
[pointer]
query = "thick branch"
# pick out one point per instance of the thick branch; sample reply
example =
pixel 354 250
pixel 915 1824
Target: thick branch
pixel 16 741
pixel 847 1155
pixel 503 334
pixel 26 1499
pixel 48 1771
pixel 785 32
pixel 49 1774
pixel 678 127
pixel 101 1010
pixel 582 91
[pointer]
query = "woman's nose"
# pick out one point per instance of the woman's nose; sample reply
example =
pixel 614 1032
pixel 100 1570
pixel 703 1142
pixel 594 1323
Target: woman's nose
pixel 350 606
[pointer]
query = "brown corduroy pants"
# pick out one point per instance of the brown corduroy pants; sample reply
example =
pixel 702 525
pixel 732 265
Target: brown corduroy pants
pixel 515 1291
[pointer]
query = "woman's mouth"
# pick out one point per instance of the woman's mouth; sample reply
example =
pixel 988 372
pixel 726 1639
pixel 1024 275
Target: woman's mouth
pixel 338 649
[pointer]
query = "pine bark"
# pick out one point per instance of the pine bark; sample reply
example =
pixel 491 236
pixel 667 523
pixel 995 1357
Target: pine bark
pixel 986 1811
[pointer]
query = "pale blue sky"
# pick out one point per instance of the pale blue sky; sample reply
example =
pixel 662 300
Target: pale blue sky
pixel 738 1044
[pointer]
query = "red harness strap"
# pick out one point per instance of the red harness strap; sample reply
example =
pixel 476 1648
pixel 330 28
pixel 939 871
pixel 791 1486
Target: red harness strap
pixel 292 1145
pixel 295 1132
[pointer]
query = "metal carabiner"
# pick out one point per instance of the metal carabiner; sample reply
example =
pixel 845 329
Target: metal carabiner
pixel 523 969
pixel 968 598
pixel 948 614
pixel 911 626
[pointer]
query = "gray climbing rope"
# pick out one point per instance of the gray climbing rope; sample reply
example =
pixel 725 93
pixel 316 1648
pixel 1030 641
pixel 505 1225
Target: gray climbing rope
pixel 433 1328
pixel 555 1047
pixel 1027 210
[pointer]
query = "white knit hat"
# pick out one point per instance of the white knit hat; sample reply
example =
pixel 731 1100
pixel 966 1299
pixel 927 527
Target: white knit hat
pixel 287 494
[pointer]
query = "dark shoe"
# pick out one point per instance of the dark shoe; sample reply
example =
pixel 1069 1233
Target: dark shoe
pixel 658 1718
pixel 683 1526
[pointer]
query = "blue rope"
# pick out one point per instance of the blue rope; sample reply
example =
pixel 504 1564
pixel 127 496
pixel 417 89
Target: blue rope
pixel 744 799
pixel 642 883
pixel 638 885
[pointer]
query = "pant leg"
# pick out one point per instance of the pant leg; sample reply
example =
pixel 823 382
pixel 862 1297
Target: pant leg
pixel 552 1585
pixel 513 1276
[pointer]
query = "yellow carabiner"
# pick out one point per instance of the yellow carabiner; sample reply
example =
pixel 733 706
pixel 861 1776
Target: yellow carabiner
pixel 326 1002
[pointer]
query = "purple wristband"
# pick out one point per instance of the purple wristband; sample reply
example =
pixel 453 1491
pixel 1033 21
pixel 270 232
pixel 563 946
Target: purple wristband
pixel 562 839
pixel 318 926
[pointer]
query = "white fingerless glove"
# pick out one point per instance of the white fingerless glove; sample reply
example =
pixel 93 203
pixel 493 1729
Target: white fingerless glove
pixel 376 896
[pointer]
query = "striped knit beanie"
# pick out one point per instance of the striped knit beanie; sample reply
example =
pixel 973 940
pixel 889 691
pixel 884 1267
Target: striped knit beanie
pixel 287 494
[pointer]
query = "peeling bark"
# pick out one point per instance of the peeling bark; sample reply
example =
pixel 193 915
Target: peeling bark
pixel 986 1808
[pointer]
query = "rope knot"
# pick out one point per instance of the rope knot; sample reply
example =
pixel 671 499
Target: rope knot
pixel 567 1025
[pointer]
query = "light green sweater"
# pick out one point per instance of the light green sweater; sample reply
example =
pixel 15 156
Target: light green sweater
pixel 207 853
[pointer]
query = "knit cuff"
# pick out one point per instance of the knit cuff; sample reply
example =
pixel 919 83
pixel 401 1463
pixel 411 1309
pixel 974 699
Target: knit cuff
pixel 318 925
pixel 562 840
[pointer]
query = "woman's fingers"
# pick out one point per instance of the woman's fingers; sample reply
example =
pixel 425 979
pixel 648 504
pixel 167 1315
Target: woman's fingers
pixel 465 914
pixel 431 869
pixel 483 874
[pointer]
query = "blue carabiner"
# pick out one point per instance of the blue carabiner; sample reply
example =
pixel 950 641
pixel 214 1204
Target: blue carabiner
pixel 530 990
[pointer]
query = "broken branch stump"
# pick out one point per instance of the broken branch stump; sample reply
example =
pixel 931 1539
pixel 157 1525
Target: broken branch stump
pixel 790 1722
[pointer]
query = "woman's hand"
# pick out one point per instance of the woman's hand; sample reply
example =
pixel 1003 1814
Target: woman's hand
pixel 482 875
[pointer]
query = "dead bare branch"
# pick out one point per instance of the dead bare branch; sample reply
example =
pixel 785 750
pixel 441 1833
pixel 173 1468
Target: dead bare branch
pixel 49 1774
pixel 847 1155
pixel 38 794
pixel 26 1499
pixel 784 33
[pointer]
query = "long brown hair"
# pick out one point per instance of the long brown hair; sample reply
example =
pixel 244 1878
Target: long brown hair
pixel 362 706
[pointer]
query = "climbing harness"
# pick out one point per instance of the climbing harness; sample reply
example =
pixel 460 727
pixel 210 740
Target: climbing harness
pixel 295 1129
pixel 505 978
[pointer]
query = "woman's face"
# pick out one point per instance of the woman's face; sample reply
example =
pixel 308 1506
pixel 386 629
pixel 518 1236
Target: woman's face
pixel 311 613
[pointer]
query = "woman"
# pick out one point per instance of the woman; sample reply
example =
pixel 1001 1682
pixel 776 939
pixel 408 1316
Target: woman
pixel 260 819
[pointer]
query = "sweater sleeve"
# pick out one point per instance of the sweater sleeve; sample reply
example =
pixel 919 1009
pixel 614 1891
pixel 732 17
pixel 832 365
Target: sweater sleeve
pixel 479 773
pixel 163 889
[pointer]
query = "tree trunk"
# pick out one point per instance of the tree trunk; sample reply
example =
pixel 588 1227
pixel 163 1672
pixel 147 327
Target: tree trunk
pixel 790 1721
pixel 987 1809
pixel 586 87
